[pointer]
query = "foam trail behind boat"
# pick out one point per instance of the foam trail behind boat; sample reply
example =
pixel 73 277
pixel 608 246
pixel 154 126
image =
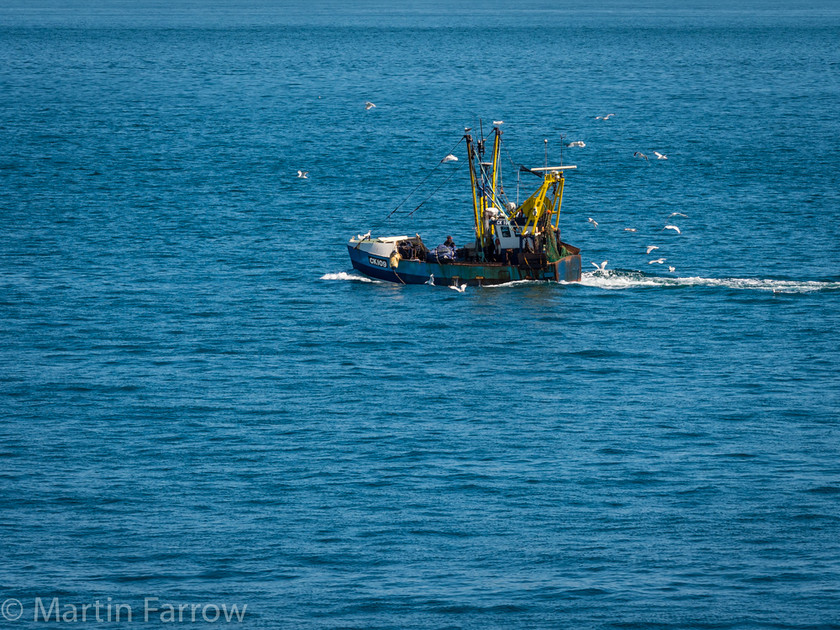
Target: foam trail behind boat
pixel 618 279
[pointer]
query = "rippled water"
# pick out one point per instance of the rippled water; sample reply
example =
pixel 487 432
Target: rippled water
pixel 203 403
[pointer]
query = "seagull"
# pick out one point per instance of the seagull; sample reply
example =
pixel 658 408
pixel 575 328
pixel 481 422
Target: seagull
pixel 593 221
pixel 601 267
pixel 650 248
pixel 677 214
pixel 431 280
pixel 659 156
pixel 629 229
pixel 460 289
pixel 607 117
pixel 303 174
pixel 498 122
pixel 671 269
pixel 369 105
pixel 450 158
pixel 577 143
pixel 639 154
pixel 658 261
pixel 363 237
pixel 672 227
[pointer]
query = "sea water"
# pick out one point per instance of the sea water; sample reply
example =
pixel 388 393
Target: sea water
pixel 204 405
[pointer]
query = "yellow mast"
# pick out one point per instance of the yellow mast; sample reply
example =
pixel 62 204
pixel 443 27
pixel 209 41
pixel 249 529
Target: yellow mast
pixel 558 201
pixel 482 198
pixel 476 206
pixel 497 143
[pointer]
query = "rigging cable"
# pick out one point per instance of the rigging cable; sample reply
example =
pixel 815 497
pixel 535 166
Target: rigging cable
pixel 487 184
pixel 455 170
pixel 510 159
pixel 423 181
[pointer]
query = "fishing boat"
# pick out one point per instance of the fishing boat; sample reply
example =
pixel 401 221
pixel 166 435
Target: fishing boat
pixel 512 241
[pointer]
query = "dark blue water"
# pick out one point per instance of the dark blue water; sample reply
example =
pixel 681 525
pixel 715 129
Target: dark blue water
pixel 202 403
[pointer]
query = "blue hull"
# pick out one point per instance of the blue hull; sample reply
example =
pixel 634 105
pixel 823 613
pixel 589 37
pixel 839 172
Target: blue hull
pixel 567 269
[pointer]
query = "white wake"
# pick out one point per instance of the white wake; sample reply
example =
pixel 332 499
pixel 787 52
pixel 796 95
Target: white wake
pixel 618 279
pixel 615 279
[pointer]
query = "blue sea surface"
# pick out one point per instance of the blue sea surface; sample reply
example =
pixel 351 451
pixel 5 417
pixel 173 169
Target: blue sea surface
pixel 201 402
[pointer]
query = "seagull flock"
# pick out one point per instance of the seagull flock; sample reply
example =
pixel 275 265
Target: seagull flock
pixel 639 155
pixel 601 269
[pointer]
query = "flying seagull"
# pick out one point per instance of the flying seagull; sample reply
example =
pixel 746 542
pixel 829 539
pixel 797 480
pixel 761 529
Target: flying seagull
pixel 658 261
pixel 303 174
pixel 593 221
pixel 677 214
pixel 629 229
pixel 450 158
pixel 431 280
pixel 601 267
pixel 459 289
pixel 369 105
pixel 650 248
pixel 659 156
pixel 671 269
pixel 607 117
pixel 639 154
pixel 672 227
pixel 577 143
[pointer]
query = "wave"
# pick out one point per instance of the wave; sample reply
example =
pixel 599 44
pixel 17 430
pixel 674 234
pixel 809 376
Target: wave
pixel 343 275
pixel 513 283
pixel 625 279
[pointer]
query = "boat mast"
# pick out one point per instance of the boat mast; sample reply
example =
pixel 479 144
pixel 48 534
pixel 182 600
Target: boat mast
pixel 558 201
pixel 477 206
pixel 497 144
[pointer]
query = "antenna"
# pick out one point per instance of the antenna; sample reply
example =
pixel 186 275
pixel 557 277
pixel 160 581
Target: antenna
pixel 545 142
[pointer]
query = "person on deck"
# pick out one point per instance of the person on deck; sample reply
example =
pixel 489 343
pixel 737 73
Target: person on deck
pixel 449 242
